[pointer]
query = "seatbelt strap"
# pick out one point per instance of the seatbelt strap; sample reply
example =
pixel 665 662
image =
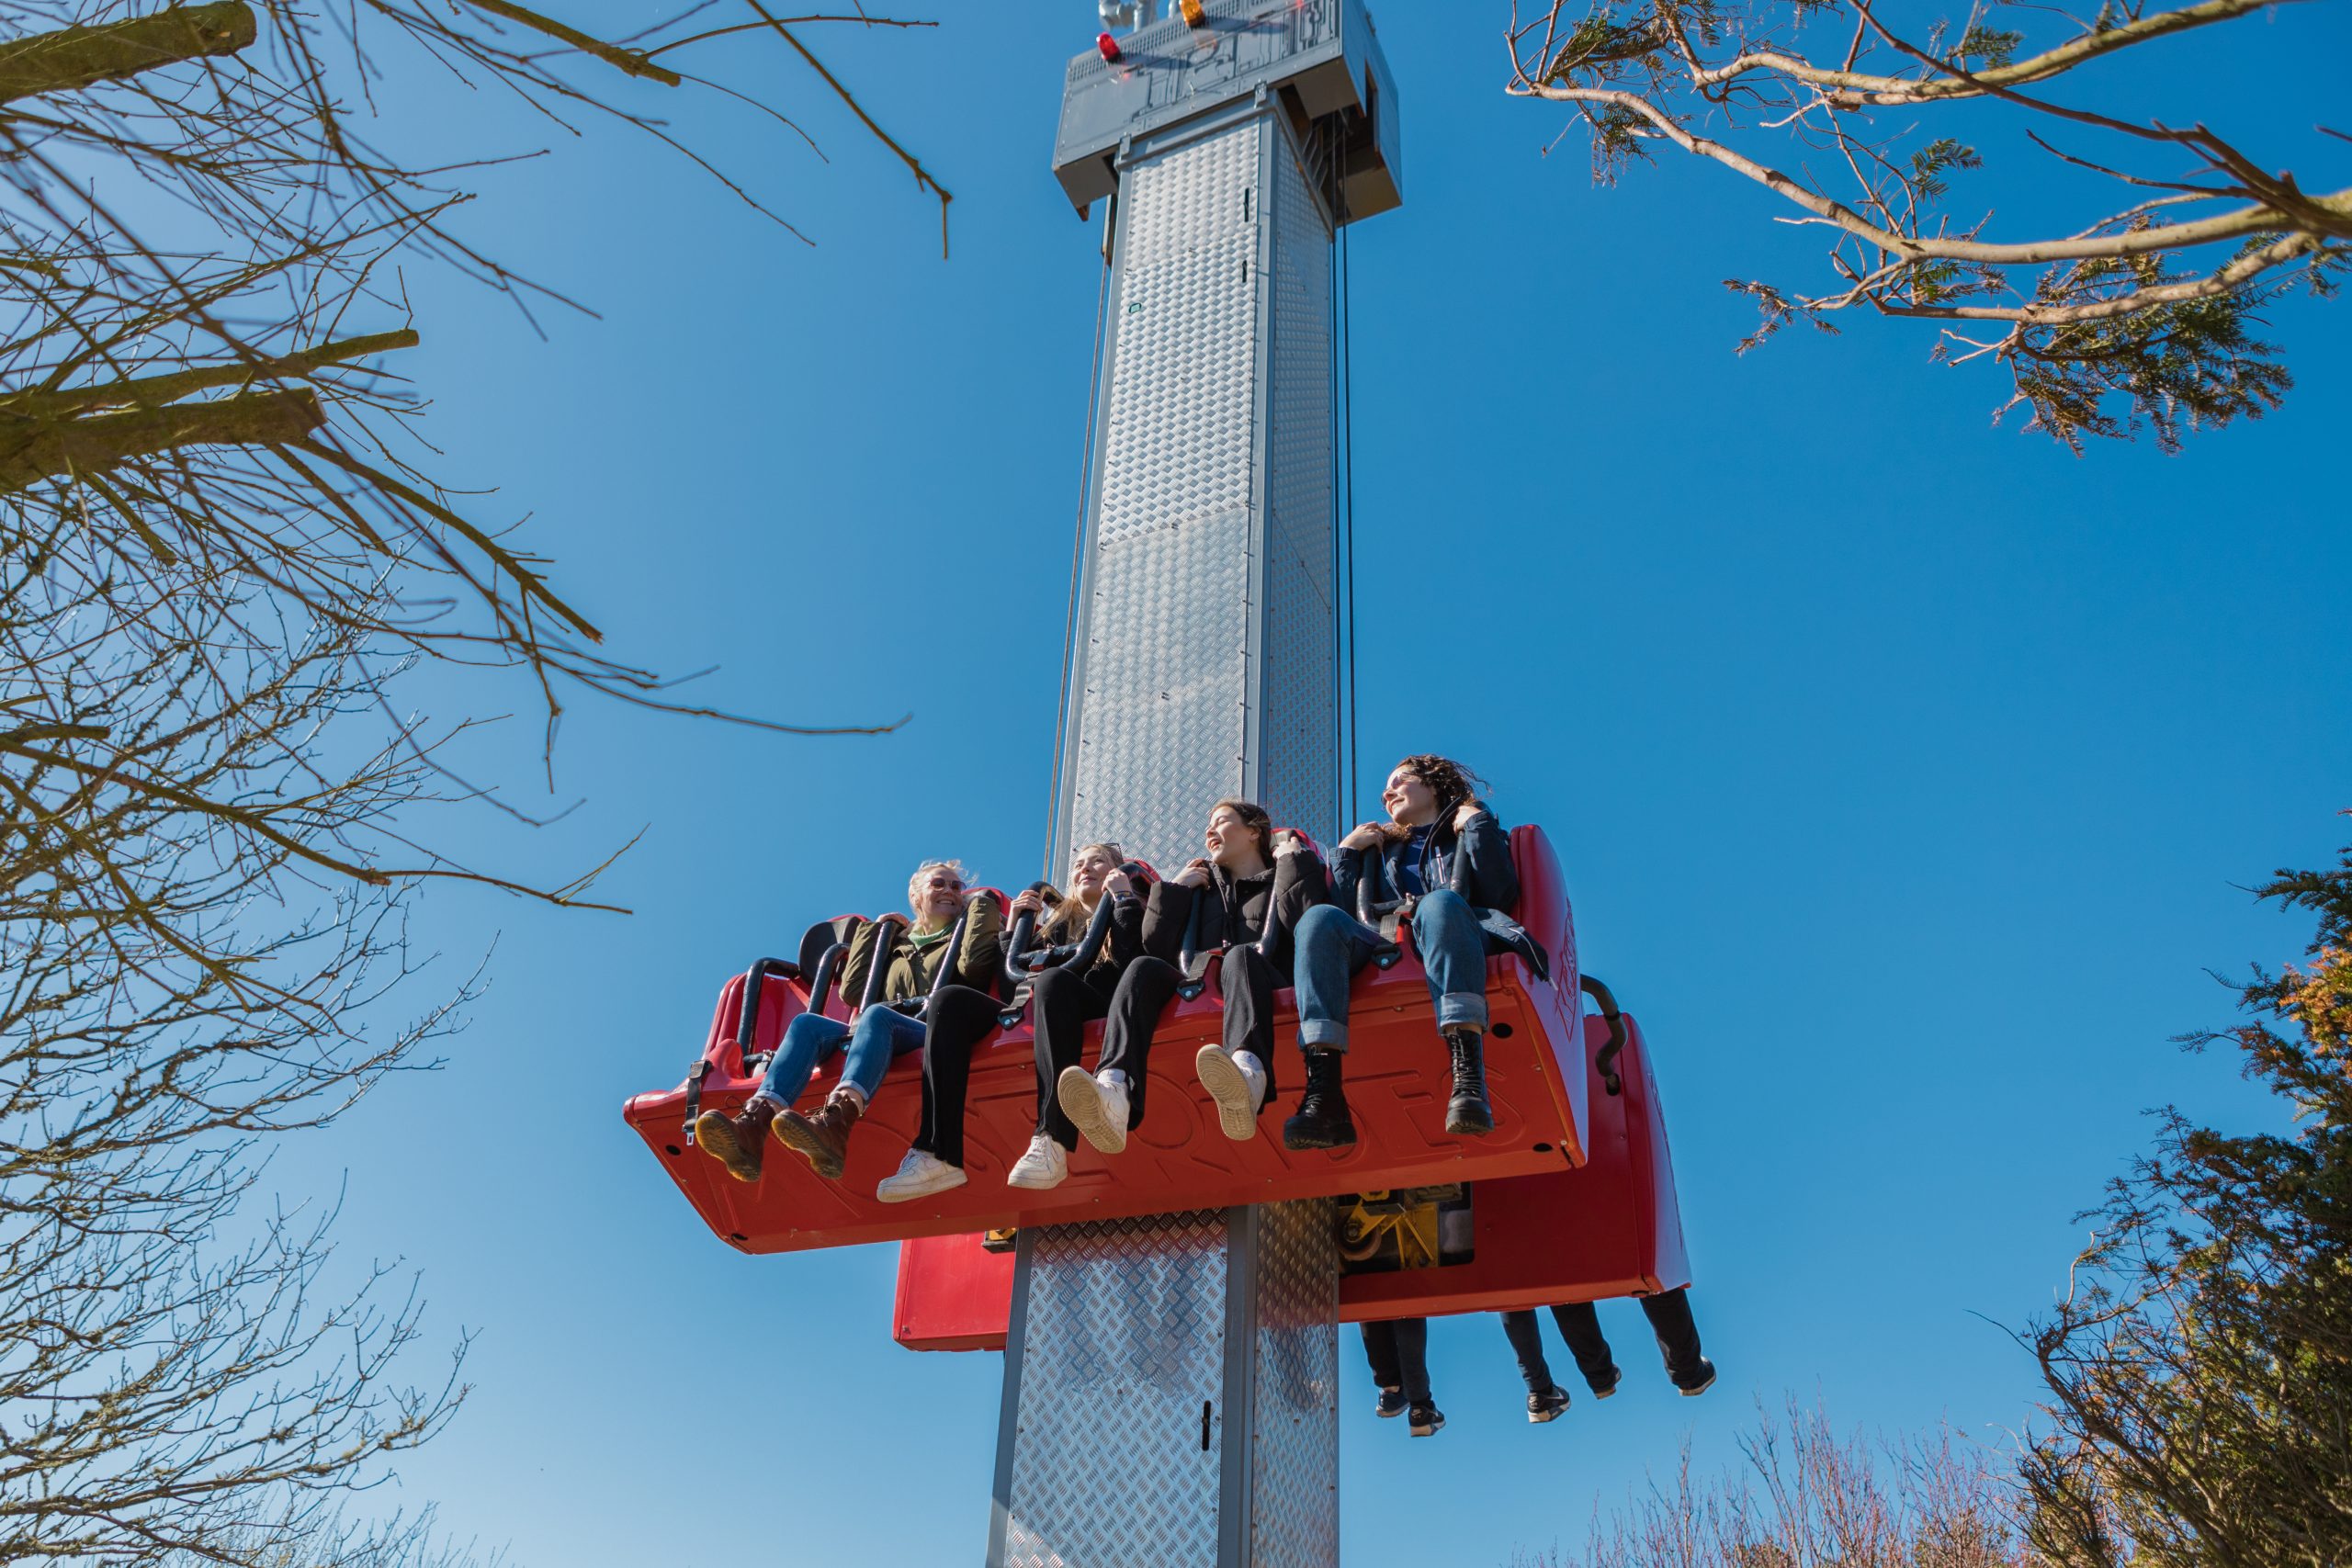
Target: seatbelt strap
pixel 694 1075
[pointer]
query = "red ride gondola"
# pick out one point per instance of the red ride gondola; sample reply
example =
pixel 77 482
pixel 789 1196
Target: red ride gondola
pixel 1572 1194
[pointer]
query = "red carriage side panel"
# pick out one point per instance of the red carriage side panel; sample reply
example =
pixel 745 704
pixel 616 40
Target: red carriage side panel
pixel 1177 1159
pixel 954 1294
pixel 1610 1228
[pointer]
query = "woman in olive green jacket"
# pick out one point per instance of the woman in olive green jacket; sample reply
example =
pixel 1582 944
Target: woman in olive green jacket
pixel 910 955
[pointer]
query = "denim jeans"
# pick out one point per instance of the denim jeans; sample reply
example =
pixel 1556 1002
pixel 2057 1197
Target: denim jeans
pixel 1332 948
pixel 879 1037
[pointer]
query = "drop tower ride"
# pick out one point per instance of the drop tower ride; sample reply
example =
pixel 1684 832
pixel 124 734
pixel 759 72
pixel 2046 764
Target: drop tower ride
pixel 1170 1314
pixel 1171 1381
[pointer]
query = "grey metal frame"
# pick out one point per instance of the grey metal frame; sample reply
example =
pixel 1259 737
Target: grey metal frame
pixel 1100 1459
pixel 1171 1383
pixel 1143 816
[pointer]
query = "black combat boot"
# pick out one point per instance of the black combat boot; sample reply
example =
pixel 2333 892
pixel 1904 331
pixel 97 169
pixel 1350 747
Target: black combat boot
pixel 1468 1111
pixel 1322 1121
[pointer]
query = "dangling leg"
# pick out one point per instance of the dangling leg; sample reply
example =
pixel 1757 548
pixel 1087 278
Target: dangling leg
pixel 823 1139
pixel 1107 1103
pixel 1453 949
pixel 1058 1011
pixel 1545 1399
pixel 738 1142
pixel 1580 1326
pixel 934 1161
pixel 1061 1003
pixel 1380 1350
pixel 1237 1073
pixel 1328 955
pixel 1678 1341
pixel 1413 1367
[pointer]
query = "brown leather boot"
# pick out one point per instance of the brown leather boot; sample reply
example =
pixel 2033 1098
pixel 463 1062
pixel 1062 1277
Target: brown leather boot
pixel 738 1141
pixel 824 1137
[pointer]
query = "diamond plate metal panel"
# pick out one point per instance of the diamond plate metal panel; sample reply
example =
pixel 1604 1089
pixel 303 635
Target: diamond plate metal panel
pixel 1124 1348
pixel 1300 686
pixel 1207 620
pixel 1294 1452
pixel 1159 725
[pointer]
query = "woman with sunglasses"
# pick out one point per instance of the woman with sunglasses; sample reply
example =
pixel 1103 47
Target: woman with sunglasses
pixel 1119 985
pixel 910 955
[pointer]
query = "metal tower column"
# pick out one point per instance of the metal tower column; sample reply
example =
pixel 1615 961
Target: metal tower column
pixel 1172 1382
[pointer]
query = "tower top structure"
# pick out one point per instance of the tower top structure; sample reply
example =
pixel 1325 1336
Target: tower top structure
pixel 1320 58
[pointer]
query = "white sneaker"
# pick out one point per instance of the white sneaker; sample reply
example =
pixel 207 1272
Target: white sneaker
pixel 1255 1071
pixel 1096 1105
pixel 1238 1084
pixel 921 1174
pixel 1043 1167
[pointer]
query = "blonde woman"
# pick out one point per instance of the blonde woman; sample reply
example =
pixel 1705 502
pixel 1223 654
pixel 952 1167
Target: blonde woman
pixel 1062 1000
pixel 911 956
pixel 1128 987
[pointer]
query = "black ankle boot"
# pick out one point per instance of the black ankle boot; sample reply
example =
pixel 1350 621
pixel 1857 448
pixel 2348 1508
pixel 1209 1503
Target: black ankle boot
pixel 1468 1111
pixel 1322 1121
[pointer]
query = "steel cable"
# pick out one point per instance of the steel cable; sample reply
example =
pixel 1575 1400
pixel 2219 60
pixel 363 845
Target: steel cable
pixel 1078 537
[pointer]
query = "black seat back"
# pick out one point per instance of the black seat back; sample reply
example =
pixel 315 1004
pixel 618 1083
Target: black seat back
pixel 823 935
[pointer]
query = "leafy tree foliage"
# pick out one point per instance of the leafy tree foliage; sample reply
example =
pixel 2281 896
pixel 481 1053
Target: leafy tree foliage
pixel 2141 315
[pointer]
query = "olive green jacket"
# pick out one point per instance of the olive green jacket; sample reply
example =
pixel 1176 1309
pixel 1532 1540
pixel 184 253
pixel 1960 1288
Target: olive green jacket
pixel 910 973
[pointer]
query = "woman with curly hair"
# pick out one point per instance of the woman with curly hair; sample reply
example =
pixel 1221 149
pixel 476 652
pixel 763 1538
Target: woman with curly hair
pixel 1441 866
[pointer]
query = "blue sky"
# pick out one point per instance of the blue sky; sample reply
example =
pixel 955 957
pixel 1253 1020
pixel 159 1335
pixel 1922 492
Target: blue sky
pixel 1907 771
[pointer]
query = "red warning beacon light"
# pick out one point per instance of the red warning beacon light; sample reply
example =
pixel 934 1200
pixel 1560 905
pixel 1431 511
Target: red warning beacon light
pixel 1109 46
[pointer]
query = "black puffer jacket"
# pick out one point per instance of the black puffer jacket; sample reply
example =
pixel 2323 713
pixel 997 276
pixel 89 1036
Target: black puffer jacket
pixel 1231 910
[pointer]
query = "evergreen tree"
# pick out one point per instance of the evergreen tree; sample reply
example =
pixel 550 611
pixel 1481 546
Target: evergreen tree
pixel 2200 1370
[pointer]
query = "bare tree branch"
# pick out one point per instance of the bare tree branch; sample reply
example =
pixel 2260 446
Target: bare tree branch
pixel 153 391
pixel 627 61
pixel 40 449
pixel 76 58
pixel 224 546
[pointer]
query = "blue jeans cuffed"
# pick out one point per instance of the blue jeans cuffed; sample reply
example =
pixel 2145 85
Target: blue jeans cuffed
pixel 879 1036
pixel 1452 946
pixel 1329 949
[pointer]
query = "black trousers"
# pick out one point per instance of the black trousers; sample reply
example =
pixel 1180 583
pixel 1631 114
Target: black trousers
pixel 1063 1004
pixel 1249 982
pixel 1670 1320
pixel 960 1018
pixel 1399 1350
